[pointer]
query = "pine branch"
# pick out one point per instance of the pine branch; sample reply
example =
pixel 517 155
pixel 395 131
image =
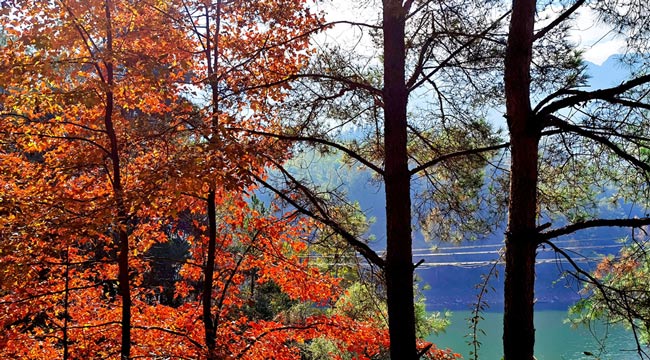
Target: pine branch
pixel 588 224
pixel 467 152
pixel 413 83
pixel 311 139
pixel 578 96
pixel 324 219
pixel 558 20
pixel 566 126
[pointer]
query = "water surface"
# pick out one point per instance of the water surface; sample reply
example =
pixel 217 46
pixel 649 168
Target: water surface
pixel 555 340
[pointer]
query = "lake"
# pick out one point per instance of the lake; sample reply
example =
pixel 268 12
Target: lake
pixel 554 339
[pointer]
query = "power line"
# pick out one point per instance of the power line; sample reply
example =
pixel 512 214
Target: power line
pixel 478 264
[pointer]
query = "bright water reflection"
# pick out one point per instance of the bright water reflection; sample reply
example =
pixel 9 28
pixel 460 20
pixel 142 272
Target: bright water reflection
pixel 554 339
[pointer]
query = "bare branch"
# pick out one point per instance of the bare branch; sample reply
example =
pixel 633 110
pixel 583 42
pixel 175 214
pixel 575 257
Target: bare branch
pixel 558 20
pixel 587 224
pixel 349 81
pixel 457 154
pixel 353 23
pixel 561 124
pixel 579 96
pixel 332 144
pixel 323 218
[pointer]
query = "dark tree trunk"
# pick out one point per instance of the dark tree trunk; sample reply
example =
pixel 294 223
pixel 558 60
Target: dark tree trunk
pixel 121 234
pixel 212 57
pixel 518 326
pixel 399 263
pixel 66 305
pixel 124 286
pixel 209 326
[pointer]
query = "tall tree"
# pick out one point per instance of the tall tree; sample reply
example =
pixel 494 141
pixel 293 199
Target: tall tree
pixel 399 256
pixel 559 175
pixel 357 104
pixel 239 78
pixel 81 79
pixel 522 208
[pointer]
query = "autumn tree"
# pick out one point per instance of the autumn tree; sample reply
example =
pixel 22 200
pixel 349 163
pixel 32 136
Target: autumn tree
pixel 568 144
pixel 242 49
pixel 155 157
pixel 269 299
pixel 85 99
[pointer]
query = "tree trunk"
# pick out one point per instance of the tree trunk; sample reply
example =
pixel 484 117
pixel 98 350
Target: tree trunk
pixel 122 237
pixel 124 287
pixel 518 326
pixel 209 326
pixel 212 57
pixel 399 259
pixel 66 305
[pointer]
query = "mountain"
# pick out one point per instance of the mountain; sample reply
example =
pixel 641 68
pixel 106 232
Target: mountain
pixel 610 73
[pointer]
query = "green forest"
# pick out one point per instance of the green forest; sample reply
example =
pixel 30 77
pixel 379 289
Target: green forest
pixel 183 179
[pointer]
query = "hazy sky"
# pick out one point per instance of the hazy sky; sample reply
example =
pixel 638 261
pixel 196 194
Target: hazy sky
pixel 598 41
pixel 590 35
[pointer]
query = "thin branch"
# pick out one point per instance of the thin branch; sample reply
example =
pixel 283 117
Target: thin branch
pixel 630 103
pixel 481 304
pixel 68 138
pixel 457 154
pixel 196 31
pixel 353 23
pixel 95 325
pixel 270 331
pixel 577 268
pixel 231 276
pixel 46 294
pixel 587 224
pixel 413 83
pixel 169 331
pixel 561 124
pixel 87 40
pixel 353 84
pixel 422 138
pixel 578 96
pixel 558 20
pixel 332 144
pixel 360 246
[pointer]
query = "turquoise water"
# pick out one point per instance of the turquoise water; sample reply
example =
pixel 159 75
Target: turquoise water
pixel 554 339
